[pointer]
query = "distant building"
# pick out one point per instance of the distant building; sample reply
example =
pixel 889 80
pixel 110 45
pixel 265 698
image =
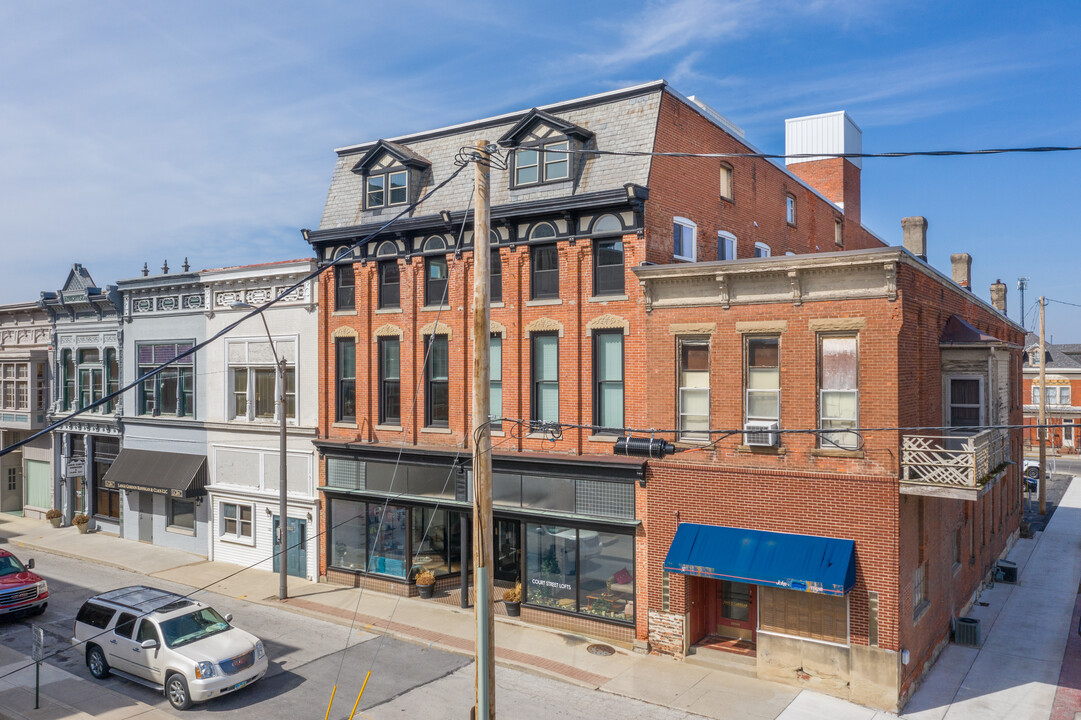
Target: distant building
pixel 1062 395
pixel 26 475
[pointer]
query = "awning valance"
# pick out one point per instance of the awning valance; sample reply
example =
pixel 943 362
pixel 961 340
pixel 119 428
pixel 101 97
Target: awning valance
pixel 164 473
pixel 798 562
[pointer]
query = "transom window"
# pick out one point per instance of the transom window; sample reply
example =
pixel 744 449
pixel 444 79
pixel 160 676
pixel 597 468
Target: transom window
pixel 684 236
pixel 172 390
pixel 542 163
pixel 607 224
pixel 254 375
pixel 386 189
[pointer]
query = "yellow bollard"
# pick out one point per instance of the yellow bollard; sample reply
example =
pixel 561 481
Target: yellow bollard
pixel 333 690
pixel 361 693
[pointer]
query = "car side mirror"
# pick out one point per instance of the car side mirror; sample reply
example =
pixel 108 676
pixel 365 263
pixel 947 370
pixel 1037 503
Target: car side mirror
pixel 30 564
pixel 228 617
pixel 148 644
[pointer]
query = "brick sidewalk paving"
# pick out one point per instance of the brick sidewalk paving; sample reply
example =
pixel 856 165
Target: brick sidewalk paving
pixel 1068 695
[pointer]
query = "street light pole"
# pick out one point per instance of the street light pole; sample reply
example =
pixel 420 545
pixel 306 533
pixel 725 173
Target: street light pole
pixel 283 494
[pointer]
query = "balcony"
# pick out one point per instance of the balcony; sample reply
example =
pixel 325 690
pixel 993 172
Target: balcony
pixel 953 466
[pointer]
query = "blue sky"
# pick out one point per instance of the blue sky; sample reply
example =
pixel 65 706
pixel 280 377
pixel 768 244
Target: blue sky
pixel 134 132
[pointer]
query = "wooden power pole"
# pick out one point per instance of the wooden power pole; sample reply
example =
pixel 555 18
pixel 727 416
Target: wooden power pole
pixel 482 442
pixel 1041 432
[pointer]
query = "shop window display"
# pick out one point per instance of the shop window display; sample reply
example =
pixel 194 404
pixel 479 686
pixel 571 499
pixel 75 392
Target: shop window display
pixel 552 566
pixel 437 541
pixel 347 521
pixel 388 542
pixel 606 576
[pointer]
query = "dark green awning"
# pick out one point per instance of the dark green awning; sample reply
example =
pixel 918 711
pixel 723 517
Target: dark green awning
pixel 163 473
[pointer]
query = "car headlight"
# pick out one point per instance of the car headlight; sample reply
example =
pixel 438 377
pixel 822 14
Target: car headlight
pixel 204 670
pixel 259 650
pixel 42 587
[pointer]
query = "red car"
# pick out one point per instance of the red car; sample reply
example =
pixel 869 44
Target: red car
pixel 20 589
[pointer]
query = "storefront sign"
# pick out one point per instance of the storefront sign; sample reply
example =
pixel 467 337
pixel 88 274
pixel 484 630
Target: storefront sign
pixel 113 485
pixel 551 584
pixel 76 467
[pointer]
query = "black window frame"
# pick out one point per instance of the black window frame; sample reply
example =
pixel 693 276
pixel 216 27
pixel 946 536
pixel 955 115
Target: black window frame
pixel 432 383
pixel 495 276
pixel 387 200
pixel 385 298
pixel 609 279
pixel 536 293
pixel 344 386
pixel 599 383
pixel 386 384
pixel 534 383
pixel 345 295
pixel 436 289
pixel 541 148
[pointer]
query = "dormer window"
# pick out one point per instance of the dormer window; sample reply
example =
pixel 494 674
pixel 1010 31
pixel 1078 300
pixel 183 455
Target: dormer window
pixel 390 188
pixel 546 162
pixel 544 147
pixel 389 170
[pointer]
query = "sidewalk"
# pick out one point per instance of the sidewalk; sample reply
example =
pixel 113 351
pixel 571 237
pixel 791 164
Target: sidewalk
pixel 1014 673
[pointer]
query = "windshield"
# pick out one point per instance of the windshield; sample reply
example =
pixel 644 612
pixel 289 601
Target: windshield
pixel 193 626
pixel 9 565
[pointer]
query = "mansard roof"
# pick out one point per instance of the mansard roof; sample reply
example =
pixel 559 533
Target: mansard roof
pixel 401 153
pixel 514 136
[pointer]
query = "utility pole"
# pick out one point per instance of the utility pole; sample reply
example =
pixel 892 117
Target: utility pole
pixel 1022 283
pixel 484 709
pixel 1041 433
pixel 283 483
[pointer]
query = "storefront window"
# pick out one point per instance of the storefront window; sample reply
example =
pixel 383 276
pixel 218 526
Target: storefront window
pixel 437 541
pixel 388 540
pixel 552 566
pixel 607 574
pixel 347 522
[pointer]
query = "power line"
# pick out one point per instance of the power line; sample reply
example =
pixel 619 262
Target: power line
pixel 811 156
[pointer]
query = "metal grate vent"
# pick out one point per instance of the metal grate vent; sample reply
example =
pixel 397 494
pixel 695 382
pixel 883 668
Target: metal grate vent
pixel 604 499
pixel 345 474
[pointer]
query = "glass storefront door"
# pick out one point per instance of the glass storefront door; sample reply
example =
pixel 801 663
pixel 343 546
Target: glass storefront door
pixel 736 615
pixel 508 550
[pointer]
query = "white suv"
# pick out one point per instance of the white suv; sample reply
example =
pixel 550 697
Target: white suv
pixel 167 642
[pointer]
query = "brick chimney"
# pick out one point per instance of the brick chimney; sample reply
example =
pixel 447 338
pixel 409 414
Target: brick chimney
pixel 998 296
pixel 914 236
pixel 836 178
pixel 962 270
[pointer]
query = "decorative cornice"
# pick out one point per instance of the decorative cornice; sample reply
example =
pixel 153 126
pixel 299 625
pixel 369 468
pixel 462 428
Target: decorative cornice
pixel 497 328
pixel 544 324
pixel 692 328
pixel 762 326
pixel 608 322
pixel 387 330
pixel 345 332
pixel 436 328
pixel 830 324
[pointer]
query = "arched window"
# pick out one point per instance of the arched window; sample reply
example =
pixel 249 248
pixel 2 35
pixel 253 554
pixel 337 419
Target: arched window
pixel 761 250
pixel 387 248
pixel 606 224
pixel 726 245
pixel 434 243
pixel 542 231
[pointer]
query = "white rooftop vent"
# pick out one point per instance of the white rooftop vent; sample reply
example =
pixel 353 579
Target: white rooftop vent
pixel 833 132
pixel 717 117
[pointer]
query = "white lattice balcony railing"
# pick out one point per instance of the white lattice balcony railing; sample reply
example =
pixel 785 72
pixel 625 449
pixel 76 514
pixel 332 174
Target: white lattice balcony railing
pixel 961 461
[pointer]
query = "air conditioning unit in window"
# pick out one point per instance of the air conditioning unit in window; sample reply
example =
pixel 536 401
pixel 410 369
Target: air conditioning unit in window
pixel 757 433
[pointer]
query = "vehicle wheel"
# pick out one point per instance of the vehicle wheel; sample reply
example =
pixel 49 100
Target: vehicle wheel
pixel 176 689
pixel 1033 472
pixel 95 661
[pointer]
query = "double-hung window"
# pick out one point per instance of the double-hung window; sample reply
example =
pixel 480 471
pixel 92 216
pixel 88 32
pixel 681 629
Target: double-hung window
pixel 345 367
pixel 608 380
pixel 386 189
pixel 236 521
pixel 112 377
pixel 389 284
pixel 965 401
pixel 694 388
pixel 726 181
pixel 684 239
pixel 495 277
pixel 15 379
pixel 544 368
pixel 67 369
pixel 838 382
pixel 495 380
pixel 544 272
pixel 762 379
pixel 790 209
pixel 254 370
pixel 548 162
pixel 726 245
pixel 608 267
pixel 344 287
pixel 172 390
pixel 435 272
pixel 437 394
pixel 390 381
pixel 91 377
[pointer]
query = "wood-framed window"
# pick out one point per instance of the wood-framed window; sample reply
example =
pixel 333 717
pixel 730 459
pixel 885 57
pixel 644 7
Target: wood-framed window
pixel 608 380
pixel 255 392
pixel 237 521
pixel 390 279
pixel 172 390
pixel 437 382
pixel 838 390
pixel 544 377
pixel 608 271
pixel 790 209
pixel 544 272
pixel 693 388
pixel 965 400
pixel 838 233
pixel 67 379
pixel 389 188
pixel 345 368
pixel 726 181
pixel 495 277
pixel 762 378
pixel 435 272
pixel 542 163
pixel 344 287
pixel 390 381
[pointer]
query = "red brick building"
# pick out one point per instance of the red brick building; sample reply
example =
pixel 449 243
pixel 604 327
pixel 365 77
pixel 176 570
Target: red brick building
pixel 1062 395
pixel 628 293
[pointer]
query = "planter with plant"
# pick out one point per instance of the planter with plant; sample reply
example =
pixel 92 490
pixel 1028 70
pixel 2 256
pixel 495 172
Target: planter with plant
pixel 81 522
pixel 512 600
pixel 425 583
pixel 55 517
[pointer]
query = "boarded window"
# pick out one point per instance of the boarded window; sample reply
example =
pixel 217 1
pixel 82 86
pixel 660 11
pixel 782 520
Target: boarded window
pixel 808 615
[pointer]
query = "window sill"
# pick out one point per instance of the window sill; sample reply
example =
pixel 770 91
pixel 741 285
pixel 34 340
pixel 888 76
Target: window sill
pixel 497 304
pixel 761 450
pixel 386 311
pixel 681 258
pixel 344 312
pixel 233 540
pixel 837 452
pixel 179 530
pixel 435 308
pixel 544 301
pixel 392 428
pixel 602 438
pixel 497 433
pixel 437 430
pixel 537 436
pixel 349 425
pixel 607 298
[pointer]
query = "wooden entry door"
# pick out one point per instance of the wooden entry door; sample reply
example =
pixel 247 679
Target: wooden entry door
pixel 700 594
pixel 737 616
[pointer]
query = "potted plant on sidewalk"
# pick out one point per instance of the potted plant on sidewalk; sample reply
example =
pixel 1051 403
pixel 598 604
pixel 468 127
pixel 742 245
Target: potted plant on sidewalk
pixel 81 523
pixel 426 583
pixel 512 600
pixel 55 517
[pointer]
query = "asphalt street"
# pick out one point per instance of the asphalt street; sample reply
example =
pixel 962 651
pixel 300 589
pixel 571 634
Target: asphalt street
pixel 307 658
pixel 1062 471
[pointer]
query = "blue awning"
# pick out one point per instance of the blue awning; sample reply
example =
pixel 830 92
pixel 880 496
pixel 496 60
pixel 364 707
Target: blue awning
pixel 798 562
